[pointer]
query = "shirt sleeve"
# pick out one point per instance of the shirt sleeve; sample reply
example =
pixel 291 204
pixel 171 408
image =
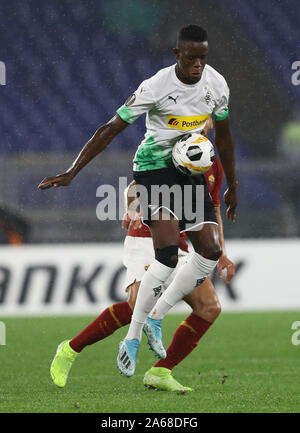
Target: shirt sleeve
pixel 218 174
pixel 220 111
pixel 140 102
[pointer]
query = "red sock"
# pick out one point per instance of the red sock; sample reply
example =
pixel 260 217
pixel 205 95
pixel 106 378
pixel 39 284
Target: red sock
pixel 185 339
pixel 107 323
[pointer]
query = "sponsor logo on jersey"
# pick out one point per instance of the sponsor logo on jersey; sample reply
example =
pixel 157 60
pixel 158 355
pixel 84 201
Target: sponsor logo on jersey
pixel 173 99
pixel 186 123
pixel 173 122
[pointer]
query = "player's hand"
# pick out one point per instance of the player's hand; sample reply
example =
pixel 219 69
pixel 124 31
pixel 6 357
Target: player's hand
pixel 208 126
pixel 225 263
pixel 230 199
pixel 55 181
pixel 132 220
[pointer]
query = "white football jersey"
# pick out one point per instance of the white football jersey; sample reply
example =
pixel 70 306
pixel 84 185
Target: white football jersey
pixel 173 109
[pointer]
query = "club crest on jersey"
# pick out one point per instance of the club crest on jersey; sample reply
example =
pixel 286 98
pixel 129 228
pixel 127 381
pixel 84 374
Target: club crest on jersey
pixel 209 99
pixel 211 179
pixel 186 123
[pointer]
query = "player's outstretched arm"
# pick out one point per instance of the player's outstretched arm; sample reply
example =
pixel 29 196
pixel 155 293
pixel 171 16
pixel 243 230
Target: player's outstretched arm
pixel 102 137
pixel 225 146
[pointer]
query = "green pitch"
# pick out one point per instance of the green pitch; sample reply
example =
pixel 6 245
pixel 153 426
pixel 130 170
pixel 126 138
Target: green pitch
pixel 245 363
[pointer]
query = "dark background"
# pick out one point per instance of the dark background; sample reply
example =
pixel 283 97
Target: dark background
pixel 71 64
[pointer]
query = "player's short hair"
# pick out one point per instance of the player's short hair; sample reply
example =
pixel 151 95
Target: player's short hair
pixel 192 33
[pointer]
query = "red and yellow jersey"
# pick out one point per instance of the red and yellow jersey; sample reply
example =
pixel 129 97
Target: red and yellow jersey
pixel 213 177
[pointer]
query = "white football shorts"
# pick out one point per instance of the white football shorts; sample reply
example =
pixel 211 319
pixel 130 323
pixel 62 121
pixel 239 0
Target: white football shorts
pixel 138 254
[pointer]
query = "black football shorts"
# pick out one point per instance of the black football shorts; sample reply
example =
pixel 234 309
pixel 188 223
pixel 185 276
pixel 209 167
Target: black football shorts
pixel 167 190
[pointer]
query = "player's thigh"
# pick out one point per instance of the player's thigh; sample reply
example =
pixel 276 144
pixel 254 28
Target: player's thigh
pixel 164 230
pixel 204 301
pixel 132 291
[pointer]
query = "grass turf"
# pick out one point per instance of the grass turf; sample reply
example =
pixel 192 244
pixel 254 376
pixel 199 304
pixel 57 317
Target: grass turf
pixel 245 363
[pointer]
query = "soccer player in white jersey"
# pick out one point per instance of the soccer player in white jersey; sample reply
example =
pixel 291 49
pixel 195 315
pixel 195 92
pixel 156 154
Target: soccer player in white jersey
pixel 176 100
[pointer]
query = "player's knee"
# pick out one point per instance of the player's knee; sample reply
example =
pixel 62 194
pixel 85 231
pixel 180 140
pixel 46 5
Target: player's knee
pixel 209 311
pixel 168 256
pixel 212 311
pixel 213 251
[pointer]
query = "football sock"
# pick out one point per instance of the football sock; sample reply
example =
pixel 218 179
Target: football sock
pixel 111 319
pixel 149 292
pixel 185 340
pixel 188 277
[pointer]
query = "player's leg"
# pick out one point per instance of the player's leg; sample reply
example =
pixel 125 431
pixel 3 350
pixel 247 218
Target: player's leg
pixel 165 236
pixel 204 236
pixel 138 253
pixel 205 309
pixel 132 294
pixel 203 260
pixel 190 275
pixel 111 319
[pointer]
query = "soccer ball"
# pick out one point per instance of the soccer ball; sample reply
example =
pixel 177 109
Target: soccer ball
pixel 193 154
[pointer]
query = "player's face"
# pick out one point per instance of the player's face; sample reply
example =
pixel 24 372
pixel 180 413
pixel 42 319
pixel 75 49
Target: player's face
pixel 191 60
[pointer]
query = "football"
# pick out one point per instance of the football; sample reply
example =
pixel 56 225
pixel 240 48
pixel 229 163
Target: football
pixel 193 154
